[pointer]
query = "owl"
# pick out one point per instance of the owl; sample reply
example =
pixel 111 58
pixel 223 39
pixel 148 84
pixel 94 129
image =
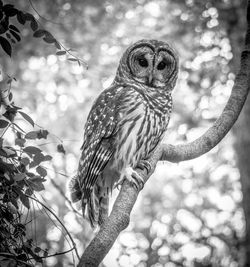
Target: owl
pixel 125 124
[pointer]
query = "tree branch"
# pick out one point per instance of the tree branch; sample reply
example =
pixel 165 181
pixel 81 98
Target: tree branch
pixel 120 215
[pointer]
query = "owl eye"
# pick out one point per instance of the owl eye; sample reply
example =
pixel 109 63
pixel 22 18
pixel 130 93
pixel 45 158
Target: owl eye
pixel 161 65
pixel 143 62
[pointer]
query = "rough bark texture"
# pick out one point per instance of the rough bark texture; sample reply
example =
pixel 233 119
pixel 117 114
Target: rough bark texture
pixel 120 215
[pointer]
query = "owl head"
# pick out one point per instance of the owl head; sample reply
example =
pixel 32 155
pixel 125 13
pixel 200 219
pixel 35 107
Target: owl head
pixel 149 63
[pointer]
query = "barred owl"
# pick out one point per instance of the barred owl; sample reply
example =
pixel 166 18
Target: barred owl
pixel 125 124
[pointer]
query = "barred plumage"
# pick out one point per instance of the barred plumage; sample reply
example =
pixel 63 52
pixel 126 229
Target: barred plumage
pixel 125 124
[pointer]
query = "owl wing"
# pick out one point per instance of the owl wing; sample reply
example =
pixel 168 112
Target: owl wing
pixel 97 148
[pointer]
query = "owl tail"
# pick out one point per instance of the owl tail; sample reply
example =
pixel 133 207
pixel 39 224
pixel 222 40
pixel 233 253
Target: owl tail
pixel 97 207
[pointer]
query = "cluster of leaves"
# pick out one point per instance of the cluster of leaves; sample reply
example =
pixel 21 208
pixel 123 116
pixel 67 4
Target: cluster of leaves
pixel 21 174
pixel 10 34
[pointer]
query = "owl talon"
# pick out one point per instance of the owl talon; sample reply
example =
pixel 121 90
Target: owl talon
pixel 134 178
pixel 144 164
pixel 137 181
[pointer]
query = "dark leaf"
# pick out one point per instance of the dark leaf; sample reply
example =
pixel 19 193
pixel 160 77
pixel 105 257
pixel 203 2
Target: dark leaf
pixel 37 249
pixel 60 53
pixel 6 167
pixel 47 158
pixel 4 25
pixel 20 17
pixel 1 141
pixel 14 28
pixel 22 257
pixel 29 192
pixel 38 158
pixel 10 12
pixel 8 36
pixel 57 45
pixel 6 45
pixel 40 170
pixel 17 36
pixel 7 7
pixel 20 142
pixel 3 123
pixel 34 25
pixel 25 161
pixel 31 135
pixel 32 150
pixel 25 200
pixel 37 186
pixel 72 59
pixel 28 17
pixel 42 134
pixel 60 148
pixel 27 118
pixel 39 33
pixel 19 176
pixel 49 40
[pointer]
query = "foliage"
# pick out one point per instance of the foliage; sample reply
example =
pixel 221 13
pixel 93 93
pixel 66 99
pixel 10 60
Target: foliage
pixel 10 34
pixel 22 174
pixel 22 170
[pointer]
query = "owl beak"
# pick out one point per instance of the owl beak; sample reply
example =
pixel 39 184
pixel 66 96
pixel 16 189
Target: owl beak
pixel 150 78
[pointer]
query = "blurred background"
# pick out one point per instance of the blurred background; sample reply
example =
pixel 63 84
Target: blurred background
pixel 188 214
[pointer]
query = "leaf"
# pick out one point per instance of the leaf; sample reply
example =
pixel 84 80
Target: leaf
pixel 6 45
pixel 20 17
pixel 32 150
pixel 3 123
pixel 37 186
pixel 60 53
pixel 40 170
pixel 38 158
pixel 34 25
pixel 25 200
pixel 57 45
pixel 29 192
pixel 20 142
pixel 17 36
pixel 19 176
pixel 72 59
pixel 10 12
pixel 25 161
pixel 27 118
pixel 42 134
pixel 60 148
pixel 14 28
pixel 39 33
pixel 49 39
pixel 37 249
pixel 47 158
pixel 31 135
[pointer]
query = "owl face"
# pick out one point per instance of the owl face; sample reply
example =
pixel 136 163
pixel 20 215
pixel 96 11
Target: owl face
pixel 150 62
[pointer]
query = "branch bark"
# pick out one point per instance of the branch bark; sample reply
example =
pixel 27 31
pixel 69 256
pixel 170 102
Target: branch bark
pixel 120 215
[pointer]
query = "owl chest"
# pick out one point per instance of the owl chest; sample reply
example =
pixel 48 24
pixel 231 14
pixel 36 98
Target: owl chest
pixel 140 129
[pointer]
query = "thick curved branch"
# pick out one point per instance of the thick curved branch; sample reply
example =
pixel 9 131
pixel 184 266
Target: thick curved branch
pixel 120 215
